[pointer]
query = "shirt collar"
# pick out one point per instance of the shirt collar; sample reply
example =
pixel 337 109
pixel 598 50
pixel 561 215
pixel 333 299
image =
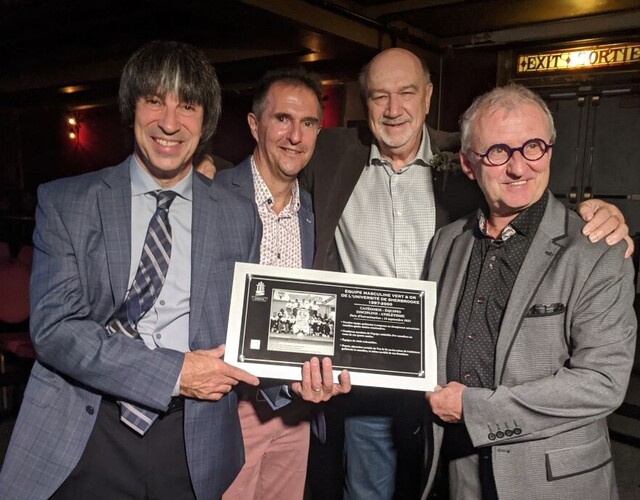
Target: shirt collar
pixel 264 196
pixel 142 182
pixel 422 158
pixel 526 222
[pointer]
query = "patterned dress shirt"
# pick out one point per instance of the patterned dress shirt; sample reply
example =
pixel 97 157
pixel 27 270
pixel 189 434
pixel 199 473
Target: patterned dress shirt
pixel 390 218
pixel 491 273
pixel 280 245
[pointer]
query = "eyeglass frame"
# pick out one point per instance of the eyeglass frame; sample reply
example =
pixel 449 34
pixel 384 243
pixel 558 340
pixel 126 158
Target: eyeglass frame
pixel 485 155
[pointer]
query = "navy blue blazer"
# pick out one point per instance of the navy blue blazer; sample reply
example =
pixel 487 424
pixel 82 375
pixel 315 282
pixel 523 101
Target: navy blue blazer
pixel 240 180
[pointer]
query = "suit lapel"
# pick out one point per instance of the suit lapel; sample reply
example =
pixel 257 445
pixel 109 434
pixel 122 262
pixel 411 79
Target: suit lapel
pixel 545 249
pixel 306 221
pixel 243 184
pixel 350 168
pixel 204 226
pixel 438 185
pixel 243 179
pixel 449 288
pixel 114 204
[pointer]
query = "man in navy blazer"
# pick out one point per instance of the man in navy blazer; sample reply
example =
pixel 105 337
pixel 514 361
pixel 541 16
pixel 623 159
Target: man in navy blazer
pixel 68 441
pixel 285 121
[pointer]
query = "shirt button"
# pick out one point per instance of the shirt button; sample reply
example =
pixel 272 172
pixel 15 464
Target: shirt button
pixel 492 258
pixel 158 335
pixel 480 300
pixel 162 302
pixel 467 376
pixel 471 337
pixel 90 410
pixel 490 266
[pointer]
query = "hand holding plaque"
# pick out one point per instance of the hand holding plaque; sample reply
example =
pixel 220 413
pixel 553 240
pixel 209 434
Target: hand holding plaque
pixel 317 381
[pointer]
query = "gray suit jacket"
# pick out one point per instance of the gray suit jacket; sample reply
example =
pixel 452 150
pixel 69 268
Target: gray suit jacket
pixel 558 374
pixel 80 272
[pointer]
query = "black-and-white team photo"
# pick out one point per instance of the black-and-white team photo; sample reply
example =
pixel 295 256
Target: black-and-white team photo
pixel 302 322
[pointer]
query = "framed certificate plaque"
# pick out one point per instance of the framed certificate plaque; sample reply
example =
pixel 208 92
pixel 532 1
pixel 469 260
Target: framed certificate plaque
pixel 380 329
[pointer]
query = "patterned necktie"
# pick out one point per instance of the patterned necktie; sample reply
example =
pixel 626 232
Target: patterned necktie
pixel 144 291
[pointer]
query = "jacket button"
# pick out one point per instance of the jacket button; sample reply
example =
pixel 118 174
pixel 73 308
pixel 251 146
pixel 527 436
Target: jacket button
pixel 499 434
pixel 90 410
pixel 508 433
pixel 491 436
pixel 517 431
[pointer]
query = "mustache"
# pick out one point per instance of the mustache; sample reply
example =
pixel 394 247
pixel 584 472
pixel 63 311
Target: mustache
pixel 395 121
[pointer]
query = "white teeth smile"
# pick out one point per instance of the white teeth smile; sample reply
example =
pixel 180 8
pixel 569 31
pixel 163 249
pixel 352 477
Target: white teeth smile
pixel 164 142
pixel 517 183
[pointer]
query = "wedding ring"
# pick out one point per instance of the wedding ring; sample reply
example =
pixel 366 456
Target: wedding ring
pixel 315 390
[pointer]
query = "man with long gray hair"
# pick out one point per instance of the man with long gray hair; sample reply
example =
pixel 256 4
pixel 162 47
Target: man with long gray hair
pixel 129 396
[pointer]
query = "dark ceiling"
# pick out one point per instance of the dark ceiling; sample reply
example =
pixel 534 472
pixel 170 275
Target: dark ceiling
pixel 48 47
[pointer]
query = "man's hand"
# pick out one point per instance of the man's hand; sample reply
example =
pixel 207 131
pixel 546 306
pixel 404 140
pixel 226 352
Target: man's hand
pixel 317 381
pixel 604 220
pixel 446 402
pixel 205 376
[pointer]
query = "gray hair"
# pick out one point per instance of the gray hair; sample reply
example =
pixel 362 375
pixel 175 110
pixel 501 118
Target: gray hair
pixel 506 97
pixel 161 67
pixel 363 77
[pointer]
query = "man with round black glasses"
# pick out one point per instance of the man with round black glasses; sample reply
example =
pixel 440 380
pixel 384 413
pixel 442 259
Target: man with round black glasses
pixel 535 326
pixel 499 154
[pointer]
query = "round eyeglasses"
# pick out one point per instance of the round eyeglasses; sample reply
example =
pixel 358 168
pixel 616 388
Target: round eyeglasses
pixel 499 154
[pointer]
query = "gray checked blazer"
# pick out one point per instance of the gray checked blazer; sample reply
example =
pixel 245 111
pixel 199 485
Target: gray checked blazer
pixel 563 359
pixel 80 272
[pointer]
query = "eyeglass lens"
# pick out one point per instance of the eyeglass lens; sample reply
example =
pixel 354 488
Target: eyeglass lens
pixel 532 150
